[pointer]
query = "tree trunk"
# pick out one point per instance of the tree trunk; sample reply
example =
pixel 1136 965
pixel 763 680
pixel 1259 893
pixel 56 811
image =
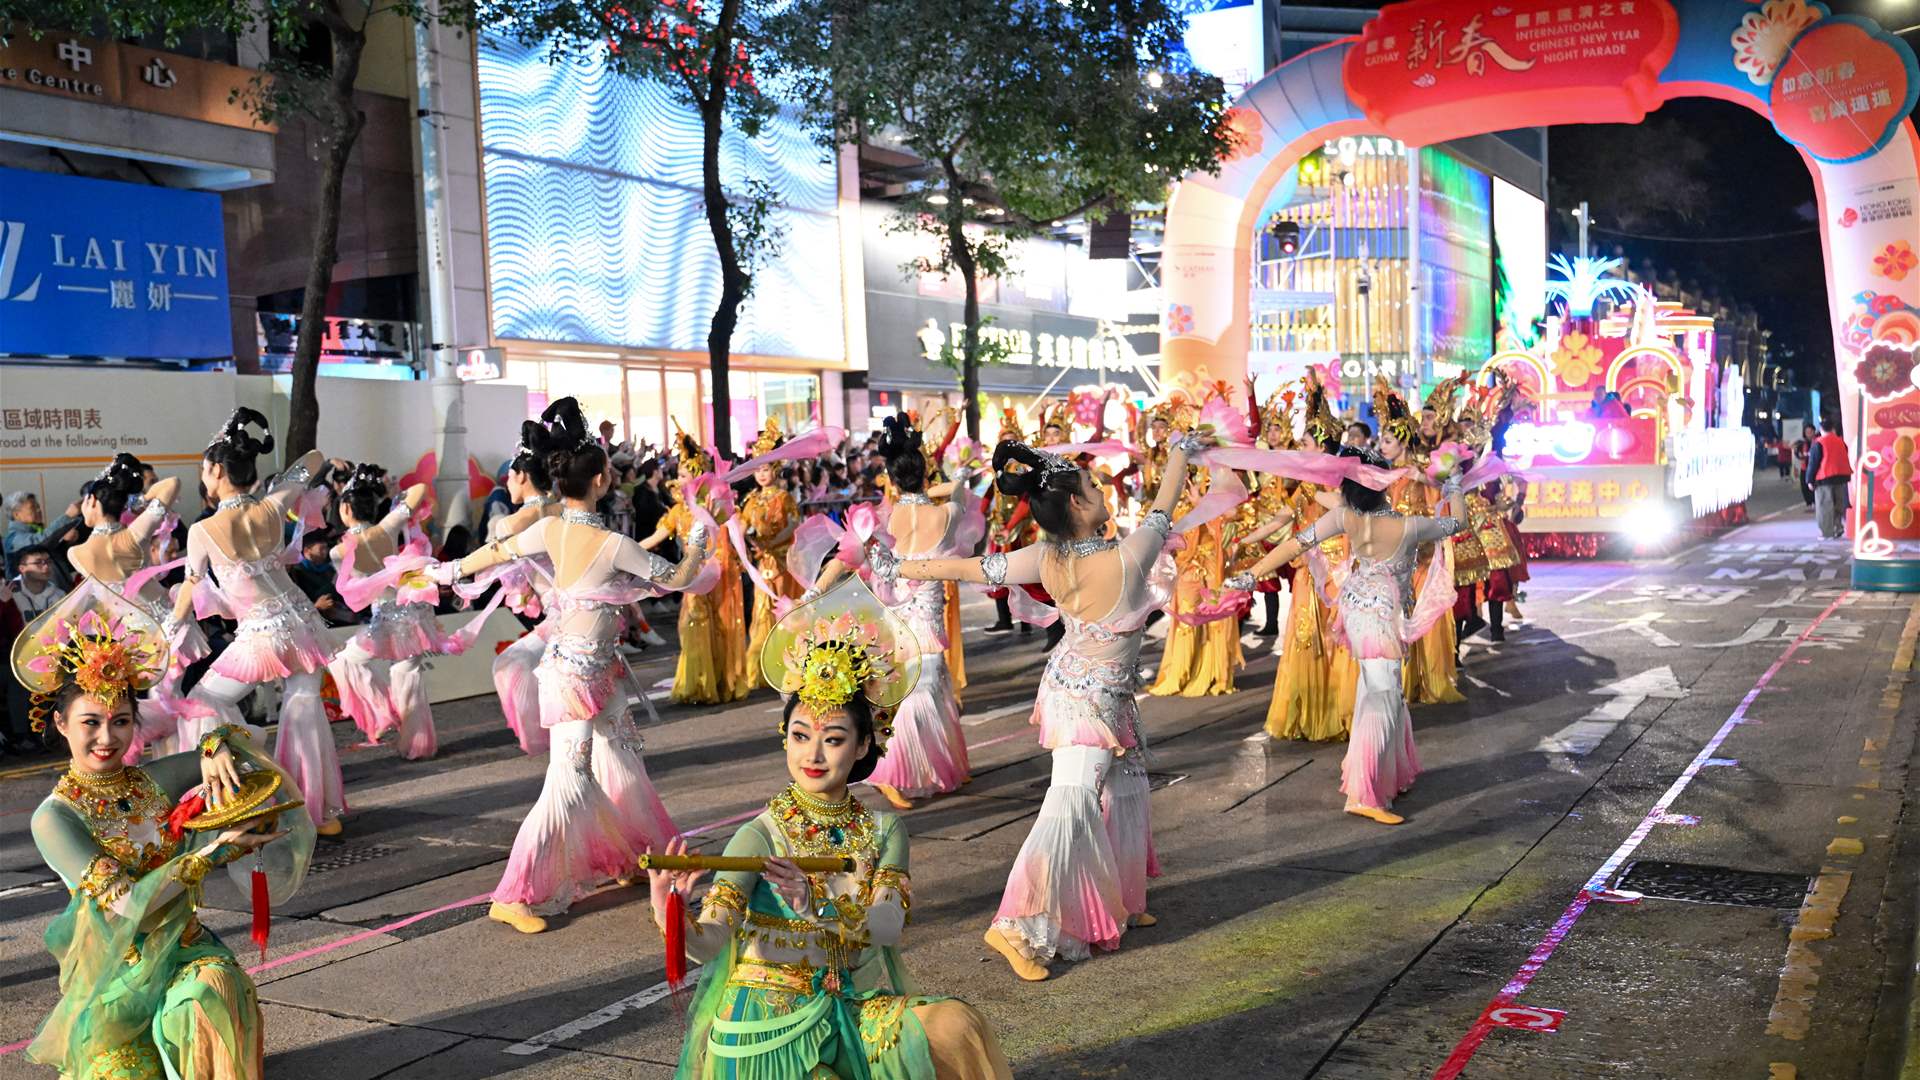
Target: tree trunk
pixel 733 280
pixel 303 425
pixel 960 253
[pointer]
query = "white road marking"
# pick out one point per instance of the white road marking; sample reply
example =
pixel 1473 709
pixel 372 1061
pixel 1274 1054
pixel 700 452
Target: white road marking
pixel 1485 685
pixel 22 890
pixel 598 1018
pixel 1598 589
pixel 1624 695
pixel 988 717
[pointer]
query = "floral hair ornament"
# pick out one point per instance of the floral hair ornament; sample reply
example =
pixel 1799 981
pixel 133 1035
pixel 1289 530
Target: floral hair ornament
pixel 843 643
pixel 104 645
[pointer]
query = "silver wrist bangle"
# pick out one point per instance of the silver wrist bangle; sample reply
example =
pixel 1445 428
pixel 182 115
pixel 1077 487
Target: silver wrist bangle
pixel 1242 581
pixel 298 474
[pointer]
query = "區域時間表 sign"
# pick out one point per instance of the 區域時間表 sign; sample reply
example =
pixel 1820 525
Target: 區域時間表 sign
pixel 98 268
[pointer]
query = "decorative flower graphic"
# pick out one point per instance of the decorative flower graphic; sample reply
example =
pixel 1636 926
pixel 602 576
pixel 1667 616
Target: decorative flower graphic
pixel 1896 261
pixel 1244 124
pixel 1849 219
pixel 1577 360
pixel 1763 37
pixel 1179 320
pixel 1884 371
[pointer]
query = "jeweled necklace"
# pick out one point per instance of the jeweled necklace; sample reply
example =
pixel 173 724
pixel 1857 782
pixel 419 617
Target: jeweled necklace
pixel 822 812
pixel 583 517
pixel 245 498
pixel 1088 545
pixel 914 498
pixel 108 528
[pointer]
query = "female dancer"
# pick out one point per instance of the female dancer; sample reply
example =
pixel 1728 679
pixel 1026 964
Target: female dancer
pixel 770 516
pixel 803 976
pixel 146 992
pixel 1376 616
pixel 597 808
pixel 1078 882
pixel 280 635
pixel 1313 687
pixel 513 669
pixel 927 754
pixel 380 671
pixel 1199 660
pixel 111 555
pixel 713 658
pixel 1433 662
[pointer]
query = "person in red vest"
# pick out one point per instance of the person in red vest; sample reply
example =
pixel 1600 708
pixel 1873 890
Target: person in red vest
pixel 1828 470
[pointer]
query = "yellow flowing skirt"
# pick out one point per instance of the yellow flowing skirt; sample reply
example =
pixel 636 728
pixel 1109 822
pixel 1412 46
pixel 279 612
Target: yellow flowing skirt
pixel 956 655
pixel 713 665
pixel 1314 687
pixel 1431 674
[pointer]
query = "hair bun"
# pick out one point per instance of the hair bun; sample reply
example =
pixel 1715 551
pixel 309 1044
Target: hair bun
pixel 566 426
pixel 1016 484
pixel 534 438
pixel 898 436
pixel 367 476
pixel 237 437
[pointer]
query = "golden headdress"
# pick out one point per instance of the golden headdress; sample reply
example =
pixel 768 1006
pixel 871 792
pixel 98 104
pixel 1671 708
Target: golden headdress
pixel 1322 425
pixel 770 437
pixel 694 461
pixel 1390 412
pixel 94 639
pixel 1278 412
pixel 1010 424
pixel 841 643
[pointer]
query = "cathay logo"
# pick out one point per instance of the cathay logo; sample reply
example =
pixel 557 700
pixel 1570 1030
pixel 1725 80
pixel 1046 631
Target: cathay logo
pixel 12 235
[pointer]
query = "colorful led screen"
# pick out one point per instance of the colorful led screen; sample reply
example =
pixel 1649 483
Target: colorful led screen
pixel 595 228
pixel 1520 264
pixel 1455 317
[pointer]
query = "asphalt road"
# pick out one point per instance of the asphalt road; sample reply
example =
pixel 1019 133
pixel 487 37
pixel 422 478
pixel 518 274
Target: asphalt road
pixel 1730 707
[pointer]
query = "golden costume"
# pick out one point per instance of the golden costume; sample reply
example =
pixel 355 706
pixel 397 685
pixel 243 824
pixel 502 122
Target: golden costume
pixel 713 666
pixel 1199 661
pixel 1314 686
pixel 1429 671
pixel 770 515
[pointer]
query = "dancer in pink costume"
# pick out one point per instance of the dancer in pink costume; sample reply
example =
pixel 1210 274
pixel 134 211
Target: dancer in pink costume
pixel 597 809
pixel 527 584
pixel 927 754
pixel 381 671
pixel 116 555
pixel 1375 614
pixel 1081 877
pixel 237 565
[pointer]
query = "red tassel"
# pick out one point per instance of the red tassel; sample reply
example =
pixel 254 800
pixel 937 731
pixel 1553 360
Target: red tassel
pixel 187 809
pixel 262 913
pixel 676 932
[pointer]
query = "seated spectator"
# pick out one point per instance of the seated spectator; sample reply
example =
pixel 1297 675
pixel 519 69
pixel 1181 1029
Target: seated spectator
pixel 24 528
pixel 314 575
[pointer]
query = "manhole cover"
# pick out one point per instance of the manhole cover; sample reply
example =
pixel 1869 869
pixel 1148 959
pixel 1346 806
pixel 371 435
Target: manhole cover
pixel 1714 884
pixel 349 855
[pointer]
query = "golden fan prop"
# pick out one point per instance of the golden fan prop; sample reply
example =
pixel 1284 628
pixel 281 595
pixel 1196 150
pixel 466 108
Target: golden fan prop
pixel 252 804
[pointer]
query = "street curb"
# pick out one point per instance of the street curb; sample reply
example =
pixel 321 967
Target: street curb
pixel 1893 1043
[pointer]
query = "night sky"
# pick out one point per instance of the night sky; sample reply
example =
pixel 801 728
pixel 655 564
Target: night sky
pixel 1735 178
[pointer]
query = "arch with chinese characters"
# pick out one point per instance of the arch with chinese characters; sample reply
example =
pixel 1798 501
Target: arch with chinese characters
pixel 1837 86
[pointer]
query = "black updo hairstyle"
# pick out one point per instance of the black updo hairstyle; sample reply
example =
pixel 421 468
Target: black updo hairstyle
pixel 122 479
pixel 1356 495
pixel 860 711
pixel 366 493
pixel 235 449
pixel 1049 495
pixel 573 458
pixel 900 446
pixel 530 460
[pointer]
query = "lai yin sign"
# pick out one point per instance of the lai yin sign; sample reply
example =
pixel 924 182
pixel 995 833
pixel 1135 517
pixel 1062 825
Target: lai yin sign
pixel 98 268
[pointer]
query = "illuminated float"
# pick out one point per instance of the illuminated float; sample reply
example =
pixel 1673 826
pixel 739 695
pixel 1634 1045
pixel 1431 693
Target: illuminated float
pixel 1630 426
pixel 1836 86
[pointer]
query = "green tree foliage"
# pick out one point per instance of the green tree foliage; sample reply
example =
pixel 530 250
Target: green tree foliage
pixel 285 88
pixel 1025 112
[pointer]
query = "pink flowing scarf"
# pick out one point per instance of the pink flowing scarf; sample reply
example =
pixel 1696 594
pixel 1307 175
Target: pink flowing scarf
pixel 811 445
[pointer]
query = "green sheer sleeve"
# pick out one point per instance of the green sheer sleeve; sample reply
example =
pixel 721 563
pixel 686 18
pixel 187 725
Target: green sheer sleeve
pixel 725 906
pixel 115 942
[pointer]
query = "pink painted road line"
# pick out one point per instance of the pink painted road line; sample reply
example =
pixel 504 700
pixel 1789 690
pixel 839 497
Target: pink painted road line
pixel 1470 1043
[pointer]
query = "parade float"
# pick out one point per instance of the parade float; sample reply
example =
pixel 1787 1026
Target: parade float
pixel 1630 428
